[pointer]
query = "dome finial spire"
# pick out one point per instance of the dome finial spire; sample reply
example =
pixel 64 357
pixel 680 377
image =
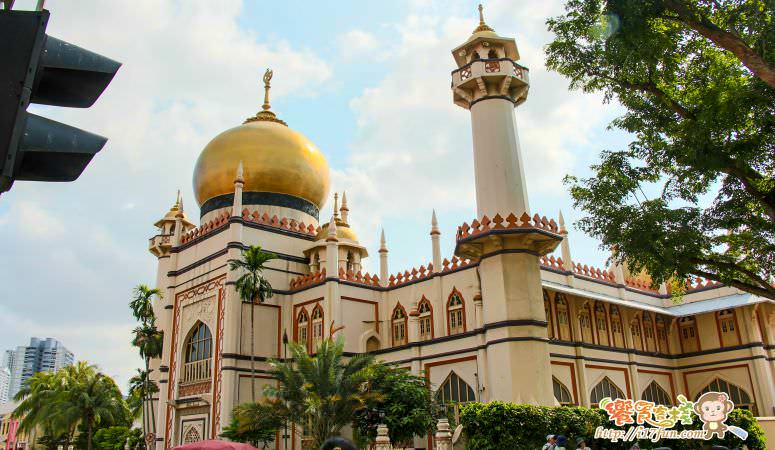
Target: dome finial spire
pixel 267 78
pixel 482 26
pixel 265 114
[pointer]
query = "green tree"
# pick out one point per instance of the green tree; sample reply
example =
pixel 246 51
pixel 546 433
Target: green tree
pixel 398 399
pixel 115 438
pixel 140 389
pixel 255 423
pixel 694 193
pixel 60 402
pixel 252 287
pixel 148 340
pixel 318 393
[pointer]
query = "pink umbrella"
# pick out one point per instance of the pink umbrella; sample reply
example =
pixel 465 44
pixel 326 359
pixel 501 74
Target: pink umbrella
pixel 215 445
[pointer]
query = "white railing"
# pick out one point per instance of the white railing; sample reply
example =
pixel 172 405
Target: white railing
pixel 196 371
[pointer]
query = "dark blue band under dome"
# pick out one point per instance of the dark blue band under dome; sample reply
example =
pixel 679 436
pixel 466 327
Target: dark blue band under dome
pixel 261 198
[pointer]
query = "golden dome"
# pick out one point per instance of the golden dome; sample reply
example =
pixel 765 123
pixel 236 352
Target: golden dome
pixel 343 231
pixel 275 158
pixel 281 167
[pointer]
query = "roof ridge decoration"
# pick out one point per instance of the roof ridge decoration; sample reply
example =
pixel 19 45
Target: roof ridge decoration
pixel 511 222
pixel 308 279
pixel 265 114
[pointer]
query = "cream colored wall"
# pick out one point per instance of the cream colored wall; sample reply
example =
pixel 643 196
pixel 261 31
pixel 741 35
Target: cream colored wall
pixel 267 334
pixel 244 394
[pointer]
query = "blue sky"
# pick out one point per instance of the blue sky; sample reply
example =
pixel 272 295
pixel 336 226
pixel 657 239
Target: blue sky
pixel 368 82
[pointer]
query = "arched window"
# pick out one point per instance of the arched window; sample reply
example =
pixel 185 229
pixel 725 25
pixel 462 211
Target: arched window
pixel 548 313
pixel 655 393
pixel 561 393
pixel 739 397
pixel 601 322
pixel 317 327
pixel 456 318
pixel 648 333
pixel 585 323
pixel 637 334
pixel 475 56
pixel 453 392
pixel 425 311
pixel 563 324
pixel 664 346
pixel 687 332
pixel 199 346
pixel 492 54
pixel 399 325
pixel 350 262
pixel 372 344
pixel 727 328
pixel 617 331
pixel 606 388
pixel 302 328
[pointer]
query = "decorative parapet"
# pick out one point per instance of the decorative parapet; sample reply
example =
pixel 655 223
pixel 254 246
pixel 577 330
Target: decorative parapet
pixel 219 221
pixel 605 276
pixel 410 275
pixel 552 262
pixel 511 222
pixel 309 279
pixel 358 277
pixel 275 222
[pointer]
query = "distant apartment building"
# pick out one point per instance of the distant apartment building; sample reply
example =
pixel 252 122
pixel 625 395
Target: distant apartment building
pixel 41 355
pixel 5 384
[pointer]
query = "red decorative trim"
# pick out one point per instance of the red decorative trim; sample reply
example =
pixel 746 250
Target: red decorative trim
pixel 625 371
pixel 670 377
pixel 218 377
pixel 572 378
pixel 424 300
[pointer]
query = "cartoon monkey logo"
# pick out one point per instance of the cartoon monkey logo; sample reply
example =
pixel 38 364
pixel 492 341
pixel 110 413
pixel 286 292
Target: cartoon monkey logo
pixel 713 409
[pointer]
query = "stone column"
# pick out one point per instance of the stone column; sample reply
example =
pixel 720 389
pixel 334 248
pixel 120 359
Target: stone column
pixel 443 435
pixel 383 439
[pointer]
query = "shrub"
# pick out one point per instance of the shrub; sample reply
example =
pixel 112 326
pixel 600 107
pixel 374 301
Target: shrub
pixel 499 425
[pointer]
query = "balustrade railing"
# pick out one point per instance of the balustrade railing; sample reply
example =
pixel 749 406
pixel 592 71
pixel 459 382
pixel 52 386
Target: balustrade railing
pixel 196 371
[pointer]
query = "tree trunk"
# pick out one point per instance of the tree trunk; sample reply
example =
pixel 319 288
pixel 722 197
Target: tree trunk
pixel 89 431
pixel 252 351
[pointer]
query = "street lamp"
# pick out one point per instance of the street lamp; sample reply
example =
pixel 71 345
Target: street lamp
pixel 285 359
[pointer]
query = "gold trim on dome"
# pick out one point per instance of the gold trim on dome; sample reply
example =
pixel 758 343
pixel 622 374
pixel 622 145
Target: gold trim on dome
pixel 482 26
pixel 266 114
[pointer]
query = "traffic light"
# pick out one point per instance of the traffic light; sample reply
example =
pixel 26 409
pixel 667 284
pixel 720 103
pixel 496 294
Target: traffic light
pixel 37 68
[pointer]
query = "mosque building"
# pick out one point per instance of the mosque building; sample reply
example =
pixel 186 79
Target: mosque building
pixel 509 316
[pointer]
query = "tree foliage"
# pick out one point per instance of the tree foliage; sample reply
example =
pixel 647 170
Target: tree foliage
pixel 76 396
pixel 149 341
pixel 694 193
pixel 255 423
pixel 117 437
pixel 401 401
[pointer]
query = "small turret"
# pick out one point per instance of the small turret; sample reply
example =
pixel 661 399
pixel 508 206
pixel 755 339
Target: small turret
pixel 169 226
pixel 436 242
pixel 383 259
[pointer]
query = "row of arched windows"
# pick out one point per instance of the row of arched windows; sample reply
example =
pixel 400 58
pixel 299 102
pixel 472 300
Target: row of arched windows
pixel 308 331
pixel 456 319
pixel 603 324
pixel 653 393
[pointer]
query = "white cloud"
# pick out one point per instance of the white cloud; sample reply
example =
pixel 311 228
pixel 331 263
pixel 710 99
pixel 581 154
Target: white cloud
pixel 357 43
pixel 413 147
pixel 189 72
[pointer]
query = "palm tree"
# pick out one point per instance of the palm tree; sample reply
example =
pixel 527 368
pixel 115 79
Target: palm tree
pixel 251 287
pixel 321 393
pixel 148 339
pixel 76 395
pixel 90 397
pixel 140 388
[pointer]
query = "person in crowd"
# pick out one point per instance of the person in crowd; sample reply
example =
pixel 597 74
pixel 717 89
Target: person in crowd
pixel 562 442
pixel 550 441
pixel 581 444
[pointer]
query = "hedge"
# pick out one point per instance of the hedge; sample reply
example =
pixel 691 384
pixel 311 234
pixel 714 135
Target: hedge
pixel 499 425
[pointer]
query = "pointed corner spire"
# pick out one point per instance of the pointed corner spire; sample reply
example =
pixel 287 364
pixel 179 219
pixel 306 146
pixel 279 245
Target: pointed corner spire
pixel 344 209
pixel 482 25
pixel 332 230
pixel 240 172
pixel 561 219
pixel 336 205
pixel 382 242
pixel 434 223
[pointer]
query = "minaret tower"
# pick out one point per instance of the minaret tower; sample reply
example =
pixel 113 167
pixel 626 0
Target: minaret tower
pixel 490 84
